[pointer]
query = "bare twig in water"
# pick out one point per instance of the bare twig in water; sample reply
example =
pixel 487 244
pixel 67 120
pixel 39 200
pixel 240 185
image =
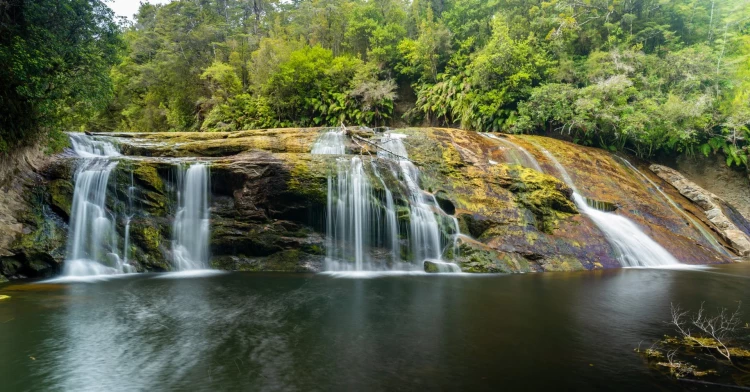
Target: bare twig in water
pixel 716 330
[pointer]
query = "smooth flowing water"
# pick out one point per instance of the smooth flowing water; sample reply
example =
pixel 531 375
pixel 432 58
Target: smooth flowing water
pixel 330 143
pixel 291 332
pixel 351 231
pixel 519 155
pixel 362 229
pixel 695 224
pixel 632 246
pixel 92 241
pixel 190 233
pixel 89 147
pixel 424 229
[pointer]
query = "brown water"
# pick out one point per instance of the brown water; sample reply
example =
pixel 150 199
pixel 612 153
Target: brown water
pixel 235 331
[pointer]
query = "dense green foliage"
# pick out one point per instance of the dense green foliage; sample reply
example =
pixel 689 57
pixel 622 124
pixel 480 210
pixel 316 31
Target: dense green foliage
pixel 645 76
pixel 55 57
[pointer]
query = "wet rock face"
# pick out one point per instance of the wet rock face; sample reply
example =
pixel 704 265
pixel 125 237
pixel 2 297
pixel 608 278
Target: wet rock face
pixel 268 202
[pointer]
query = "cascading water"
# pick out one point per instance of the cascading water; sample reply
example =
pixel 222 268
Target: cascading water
pixel 330 143
pixel 191 225
pixel 359 219
pixel 524 158
pixel 424 229
pixel 128 218
pixel 711 240
pixel 92 242
pixel 350 215
pixel 88 147
pixel 390 213
pixel 633 247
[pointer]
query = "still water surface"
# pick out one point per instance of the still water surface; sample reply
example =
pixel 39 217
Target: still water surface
pixel 235 331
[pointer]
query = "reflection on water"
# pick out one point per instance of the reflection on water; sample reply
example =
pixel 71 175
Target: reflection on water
pixel 573 331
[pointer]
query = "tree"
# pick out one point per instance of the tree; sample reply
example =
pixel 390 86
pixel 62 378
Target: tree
pixel 56 57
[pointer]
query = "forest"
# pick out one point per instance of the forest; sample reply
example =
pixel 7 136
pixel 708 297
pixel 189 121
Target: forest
pixel 647 77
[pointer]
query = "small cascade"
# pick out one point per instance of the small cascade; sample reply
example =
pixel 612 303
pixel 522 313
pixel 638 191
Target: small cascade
pixel 523 158
pixel 92 242
pixel 442 267
pixel 87 146
pixel 711 240
pixel 191 225
pixel 424 230
pixel 332 142
pixel 362 221
pixel 355 222
pixel 390 213
pixel 633 247
pixel 128 218
pixel 456 228
pixel 350 215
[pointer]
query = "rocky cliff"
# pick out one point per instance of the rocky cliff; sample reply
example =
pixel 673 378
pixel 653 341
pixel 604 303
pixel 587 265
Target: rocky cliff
pixel 268 201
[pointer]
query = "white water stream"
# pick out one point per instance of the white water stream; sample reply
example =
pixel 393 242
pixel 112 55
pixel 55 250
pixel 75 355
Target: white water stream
pixel 92 240
pixel 632 246
pixel 190 232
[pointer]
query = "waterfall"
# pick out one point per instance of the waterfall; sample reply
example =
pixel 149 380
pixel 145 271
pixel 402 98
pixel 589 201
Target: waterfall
pixel 350 215
pixel 360 220
pixel 128 218
pixel 711 240
pixel 349 209
pixel 424 230
pixel 391 220
pixel 92 238
pixel 633 247
pixel 88 147
pixel 92 241
pixel 191 225
pixel 330 143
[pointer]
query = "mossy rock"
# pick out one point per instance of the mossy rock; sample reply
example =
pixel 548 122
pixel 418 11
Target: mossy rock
pixel 148 244
pixel 61 196
pixel 148 176
pixel 308 180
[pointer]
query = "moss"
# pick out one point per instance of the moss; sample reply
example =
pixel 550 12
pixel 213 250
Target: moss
pixel 147 243
pixel 222 144
pixel 61 196
pixel 547 198
pixel 151 238
pixel 287 260
pixel 149 177
pixel 307 183
pixel 315 249
pixel 561 263
pixel 430 267
pixel 43 242
pixel 477 260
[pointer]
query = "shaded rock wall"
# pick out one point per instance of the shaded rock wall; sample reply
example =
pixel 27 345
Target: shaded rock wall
pixel 32 235
pixel 711 173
